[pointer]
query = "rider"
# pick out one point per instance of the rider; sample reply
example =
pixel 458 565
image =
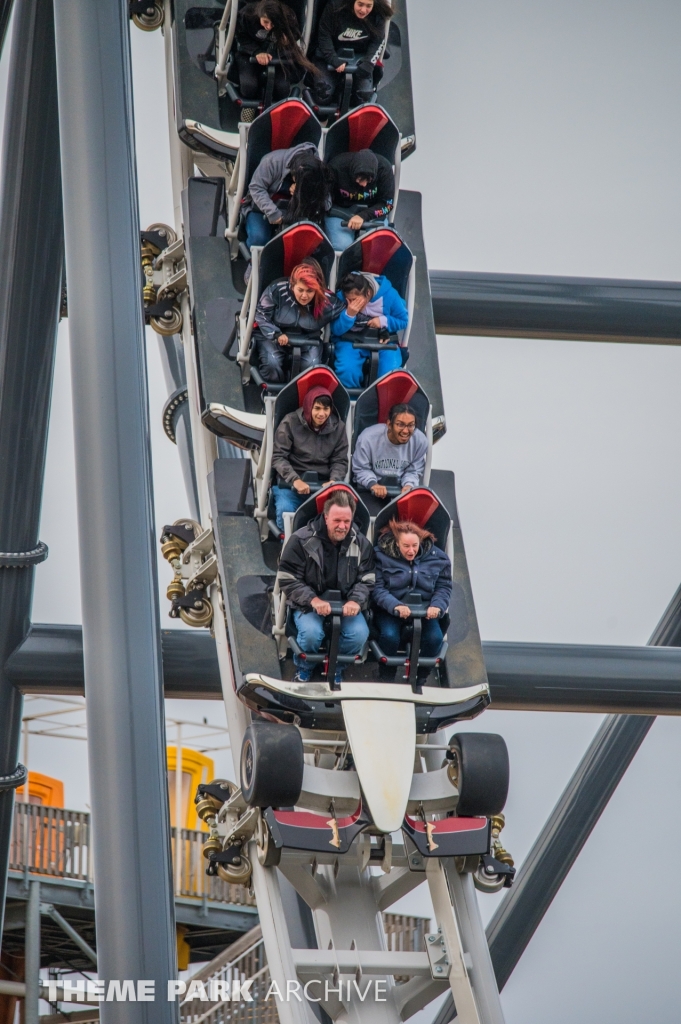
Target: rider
pixel 266 30
pixel 329 553
pixel 298 305
pixel 370 301
pixel 271 185
pixel 409 561
pixel 312 439
pixel 358 25
pixel 364 184
pixel 396 448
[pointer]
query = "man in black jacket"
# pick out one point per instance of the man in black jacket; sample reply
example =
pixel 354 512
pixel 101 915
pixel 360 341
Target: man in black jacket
pixel 364 185
pixel 328 554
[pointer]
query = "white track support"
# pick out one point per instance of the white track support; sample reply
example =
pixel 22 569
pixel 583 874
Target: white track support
pixel 346 894
pixel 459 964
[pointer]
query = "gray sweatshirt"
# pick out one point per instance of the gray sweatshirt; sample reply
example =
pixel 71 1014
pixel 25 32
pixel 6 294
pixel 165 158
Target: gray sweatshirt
pixel 376 456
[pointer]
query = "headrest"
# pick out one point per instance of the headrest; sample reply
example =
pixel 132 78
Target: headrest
pixel 379 252
pixel 314 506
pixel 376 401
pixel 286 250
pixel 364 125
pixel 292 396
pixel 423 507
pixel 287 119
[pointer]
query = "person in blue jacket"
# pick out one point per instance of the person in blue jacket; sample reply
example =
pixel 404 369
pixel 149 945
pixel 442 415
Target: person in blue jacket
pixel 370 301
pixel 408 561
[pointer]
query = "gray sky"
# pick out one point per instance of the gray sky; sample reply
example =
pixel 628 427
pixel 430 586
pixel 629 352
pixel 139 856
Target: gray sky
pixel 548 142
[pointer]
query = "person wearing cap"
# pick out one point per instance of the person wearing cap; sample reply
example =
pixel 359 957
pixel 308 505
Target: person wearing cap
pixel 311 439
pixel 370 301
pixel 364 185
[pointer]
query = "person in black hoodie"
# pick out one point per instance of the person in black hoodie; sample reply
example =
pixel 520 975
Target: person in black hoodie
pixel 364 185
pixel 265 30
pixel 357 25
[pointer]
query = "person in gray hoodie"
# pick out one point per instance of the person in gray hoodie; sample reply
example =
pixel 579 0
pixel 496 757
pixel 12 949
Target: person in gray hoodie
pixel 396 450
pixel 272 186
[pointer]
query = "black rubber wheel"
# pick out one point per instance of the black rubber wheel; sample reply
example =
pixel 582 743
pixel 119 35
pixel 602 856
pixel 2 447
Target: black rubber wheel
pixel 483 773
pixel 271 765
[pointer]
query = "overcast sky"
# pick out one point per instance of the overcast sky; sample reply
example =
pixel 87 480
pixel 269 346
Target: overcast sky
pixel 548 142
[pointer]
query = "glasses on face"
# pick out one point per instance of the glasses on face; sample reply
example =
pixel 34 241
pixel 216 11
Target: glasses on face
pixel 401 426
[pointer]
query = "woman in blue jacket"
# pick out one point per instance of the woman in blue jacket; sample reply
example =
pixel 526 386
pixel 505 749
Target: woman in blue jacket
pixel 371 301
pixel 408 561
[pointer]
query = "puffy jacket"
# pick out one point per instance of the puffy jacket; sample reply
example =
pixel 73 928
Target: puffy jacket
pixel 278 313
pixel 430 574
pixel 379 194
pixel 387 304
pixel 298 449
pixel 301 569
pixel 341 29
pixel 268 179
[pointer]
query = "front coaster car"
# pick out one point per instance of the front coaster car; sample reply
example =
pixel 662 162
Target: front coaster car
pixel 369 784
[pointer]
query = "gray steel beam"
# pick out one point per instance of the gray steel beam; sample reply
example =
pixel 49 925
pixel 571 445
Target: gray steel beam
pixel 31 247
pixel 571 308
pixel 523 677
pixel 49 910
pixel 122 649
pixel 50 660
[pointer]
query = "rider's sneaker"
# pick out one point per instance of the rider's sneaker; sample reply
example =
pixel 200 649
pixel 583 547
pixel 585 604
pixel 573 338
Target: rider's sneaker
pixel 339 676
pixel 303 675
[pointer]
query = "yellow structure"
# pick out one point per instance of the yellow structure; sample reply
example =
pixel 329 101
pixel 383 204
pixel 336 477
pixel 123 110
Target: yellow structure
pixel 195 769
pixel 43 790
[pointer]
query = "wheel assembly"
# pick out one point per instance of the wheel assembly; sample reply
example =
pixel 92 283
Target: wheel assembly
pixel 150 18
pixel 268 854
pixel 271 765
pixel 479 768
pixel 236 873
pixel 169 323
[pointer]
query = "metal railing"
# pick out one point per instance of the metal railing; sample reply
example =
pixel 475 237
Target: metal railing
pixel 246 960
pixel 55 841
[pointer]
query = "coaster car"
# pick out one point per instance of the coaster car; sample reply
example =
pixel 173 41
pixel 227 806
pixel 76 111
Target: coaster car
pixel 380 252
pixel 366 127
pixel 290 398
pixel 374 405
pixel 226 50
pixel 271 262
pixel 286 124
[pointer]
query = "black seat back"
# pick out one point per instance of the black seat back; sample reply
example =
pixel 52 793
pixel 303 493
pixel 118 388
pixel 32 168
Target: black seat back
pixel 314 506
pixel 379 252
pixel 421 506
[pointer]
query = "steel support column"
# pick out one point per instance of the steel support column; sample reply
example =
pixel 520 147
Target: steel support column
pixel 31 246
pixel 32 952
pixel 122 650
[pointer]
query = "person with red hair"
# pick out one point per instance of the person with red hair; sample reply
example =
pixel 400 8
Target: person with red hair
pixel 298 306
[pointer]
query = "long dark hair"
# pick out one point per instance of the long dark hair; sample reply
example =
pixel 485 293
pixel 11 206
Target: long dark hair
pixel 313 188
pixel 285 32
pixel 382 12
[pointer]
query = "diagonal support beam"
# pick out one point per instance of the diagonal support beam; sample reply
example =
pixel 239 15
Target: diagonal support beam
pixel 569 826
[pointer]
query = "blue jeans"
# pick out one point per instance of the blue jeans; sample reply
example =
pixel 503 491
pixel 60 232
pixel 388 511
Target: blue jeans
pixel 390 633
pixel 339 237
pixel 286 500
pixel 258 229
pixel 353 635
pixel 349 363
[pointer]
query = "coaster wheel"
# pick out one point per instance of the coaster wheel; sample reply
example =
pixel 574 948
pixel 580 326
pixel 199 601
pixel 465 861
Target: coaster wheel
pixel 271 765
pixel 479 768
